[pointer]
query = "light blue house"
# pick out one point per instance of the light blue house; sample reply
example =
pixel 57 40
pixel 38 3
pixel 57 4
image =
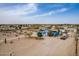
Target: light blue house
pixel 45 32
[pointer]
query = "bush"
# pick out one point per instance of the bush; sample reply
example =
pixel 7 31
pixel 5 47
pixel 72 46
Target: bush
pixel 39 34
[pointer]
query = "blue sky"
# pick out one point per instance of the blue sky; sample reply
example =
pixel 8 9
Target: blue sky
pixel 39 13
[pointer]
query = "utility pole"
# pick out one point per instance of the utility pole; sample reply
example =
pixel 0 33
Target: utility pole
pixel 76 39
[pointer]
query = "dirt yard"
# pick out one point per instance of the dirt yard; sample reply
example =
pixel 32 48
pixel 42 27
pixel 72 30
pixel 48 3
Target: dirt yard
pixel 50 46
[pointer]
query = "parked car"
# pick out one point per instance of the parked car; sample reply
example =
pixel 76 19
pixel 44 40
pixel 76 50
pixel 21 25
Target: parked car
pixel 64 36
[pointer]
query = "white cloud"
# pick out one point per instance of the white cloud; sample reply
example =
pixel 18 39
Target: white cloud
pixel 19 10
pixel 62 10
pixel 52 12
pixel 14 15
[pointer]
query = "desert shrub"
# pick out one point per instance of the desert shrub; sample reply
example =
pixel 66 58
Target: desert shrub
pixel 11 42
pixel 39 34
